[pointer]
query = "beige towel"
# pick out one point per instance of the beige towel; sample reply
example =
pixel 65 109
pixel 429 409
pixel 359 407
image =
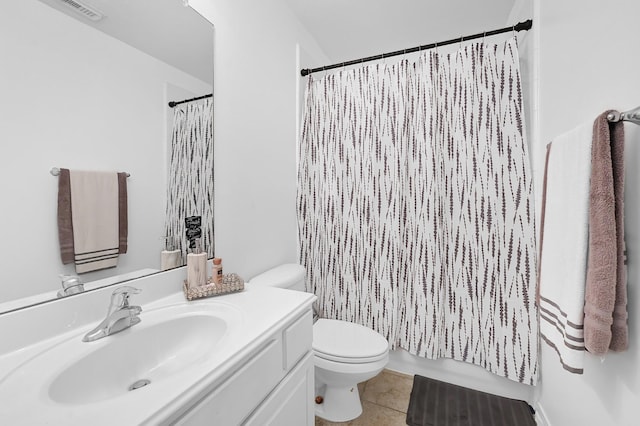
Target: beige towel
pixel 65 222
pixel 605 323
pixel 95 215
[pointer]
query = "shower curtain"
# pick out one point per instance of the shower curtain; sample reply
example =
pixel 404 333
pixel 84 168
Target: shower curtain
pixel 415 212
pixel 190 177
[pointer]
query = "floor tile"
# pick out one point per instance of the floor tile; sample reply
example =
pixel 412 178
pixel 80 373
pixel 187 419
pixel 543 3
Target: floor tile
pixel 361 388
pixel 385 399
pixel 376 415
pixel 389 389
pixel 372 415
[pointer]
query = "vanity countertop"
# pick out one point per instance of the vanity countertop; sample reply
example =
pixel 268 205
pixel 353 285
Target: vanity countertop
pixel 26 377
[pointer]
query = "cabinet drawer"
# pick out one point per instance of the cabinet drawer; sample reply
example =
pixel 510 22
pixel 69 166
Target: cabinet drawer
pixel 230 403
pixel 297 338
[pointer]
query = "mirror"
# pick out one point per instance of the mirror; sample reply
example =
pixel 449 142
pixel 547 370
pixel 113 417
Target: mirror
pixel 90 95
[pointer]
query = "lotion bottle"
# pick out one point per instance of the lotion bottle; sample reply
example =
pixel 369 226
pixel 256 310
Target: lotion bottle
pixel 197 267
pixel 216 272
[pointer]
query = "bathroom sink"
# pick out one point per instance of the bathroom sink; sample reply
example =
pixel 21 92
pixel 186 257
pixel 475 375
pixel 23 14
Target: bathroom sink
pixel 138 358
pixel 168 342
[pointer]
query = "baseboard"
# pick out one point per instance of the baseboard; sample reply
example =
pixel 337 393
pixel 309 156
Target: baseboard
pixel 459 373
pixel 541 417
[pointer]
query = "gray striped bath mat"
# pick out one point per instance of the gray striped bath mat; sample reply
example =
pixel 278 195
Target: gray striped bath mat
pixel 436 403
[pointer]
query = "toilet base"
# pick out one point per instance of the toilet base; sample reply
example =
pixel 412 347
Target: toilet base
pixel 340 404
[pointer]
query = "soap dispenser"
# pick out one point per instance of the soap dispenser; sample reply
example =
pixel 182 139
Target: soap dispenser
pixel 170 257
pixel 197 266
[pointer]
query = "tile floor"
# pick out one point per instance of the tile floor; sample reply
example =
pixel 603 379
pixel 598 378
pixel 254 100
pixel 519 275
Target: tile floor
pixel 385 399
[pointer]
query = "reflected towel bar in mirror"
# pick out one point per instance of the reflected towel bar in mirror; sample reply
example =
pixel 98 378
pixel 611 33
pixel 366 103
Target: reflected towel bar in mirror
pixel 55 171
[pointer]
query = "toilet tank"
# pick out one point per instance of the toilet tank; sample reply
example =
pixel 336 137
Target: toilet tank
pixel 289 275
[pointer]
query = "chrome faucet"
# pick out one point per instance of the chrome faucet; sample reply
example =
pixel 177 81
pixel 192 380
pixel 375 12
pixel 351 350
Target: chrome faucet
pixel 70 285
pixel 119 316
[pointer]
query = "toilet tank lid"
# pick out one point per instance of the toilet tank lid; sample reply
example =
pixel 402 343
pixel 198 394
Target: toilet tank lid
pixel 281 276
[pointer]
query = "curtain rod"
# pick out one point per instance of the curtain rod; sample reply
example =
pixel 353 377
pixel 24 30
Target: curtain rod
pixel 175 103
pixel 526 25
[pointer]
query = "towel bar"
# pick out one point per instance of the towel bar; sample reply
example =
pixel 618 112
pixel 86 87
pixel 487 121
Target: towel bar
pixel 633 116
pixel 55 171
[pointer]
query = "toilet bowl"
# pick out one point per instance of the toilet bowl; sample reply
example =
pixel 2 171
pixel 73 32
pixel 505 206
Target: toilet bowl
pixel 345 353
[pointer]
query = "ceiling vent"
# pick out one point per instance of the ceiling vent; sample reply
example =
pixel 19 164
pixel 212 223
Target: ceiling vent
pixel 84 10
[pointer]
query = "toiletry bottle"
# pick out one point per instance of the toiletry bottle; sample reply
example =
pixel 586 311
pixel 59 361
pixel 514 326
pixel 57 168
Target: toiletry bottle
pixel 170 257
pixel 216 273
pixel 197 267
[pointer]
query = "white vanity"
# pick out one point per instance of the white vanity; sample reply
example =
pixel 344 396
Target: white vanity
pixel 242 358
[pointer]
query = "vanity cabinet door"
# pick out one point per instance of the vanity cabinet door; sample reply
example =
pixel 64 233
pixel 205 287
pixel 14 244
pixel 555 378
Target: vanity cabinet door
pixel 236 398
pixel 274 387
pixel 291 403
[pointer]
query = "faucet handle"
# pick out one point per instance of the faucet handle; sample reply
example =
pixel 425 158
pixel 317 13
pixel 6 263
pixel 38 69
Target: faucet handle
pixel 120 296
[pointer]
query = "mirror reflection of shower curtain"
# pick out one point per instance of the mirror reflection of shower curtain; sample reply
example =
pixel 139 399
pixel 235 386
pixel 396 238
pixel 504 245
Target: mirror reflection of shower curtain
pixel 190 177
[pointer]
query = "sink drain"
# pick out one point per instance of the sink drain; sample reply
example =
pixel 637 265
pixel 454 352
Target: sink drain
pixel 139 384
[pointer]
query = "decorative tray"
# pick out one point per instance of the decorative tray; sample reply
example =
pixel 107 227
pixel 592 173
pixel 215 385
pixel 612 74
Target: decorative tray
pixel 231 283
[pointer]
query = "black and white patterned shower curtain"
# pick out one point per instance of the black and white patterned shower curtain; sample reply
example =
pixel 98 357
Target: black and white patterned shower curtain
pixel 190 180
pixel 415 211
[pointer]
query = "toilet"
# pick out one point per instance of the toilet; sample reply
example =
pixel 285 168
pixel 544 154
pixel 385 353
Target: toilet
pixel 345 353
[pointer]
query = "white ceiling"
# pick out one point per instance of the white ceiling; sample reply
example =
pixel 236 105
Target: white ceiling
pixel 352 29
pixel 344 29
pixel 165 29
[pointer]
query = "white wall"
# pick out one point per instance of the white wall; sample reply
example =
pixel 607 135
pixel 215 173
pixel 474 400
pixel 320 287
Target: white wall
pixel 74 97
pixel 255 85
pixel 588 64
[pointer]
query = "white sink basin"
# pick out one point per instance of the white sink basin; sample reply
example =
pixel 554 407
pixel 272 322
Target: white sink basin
pixel 169 341
pixel 144 354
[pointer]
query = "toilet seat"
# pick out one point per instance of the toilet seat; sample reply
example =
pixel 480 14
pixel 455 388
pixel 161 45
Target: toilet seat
pixel 347 342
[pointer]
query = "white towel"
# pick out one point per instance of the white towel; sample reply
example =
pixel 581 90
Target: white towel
pixel 563 259
pixel 94 211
